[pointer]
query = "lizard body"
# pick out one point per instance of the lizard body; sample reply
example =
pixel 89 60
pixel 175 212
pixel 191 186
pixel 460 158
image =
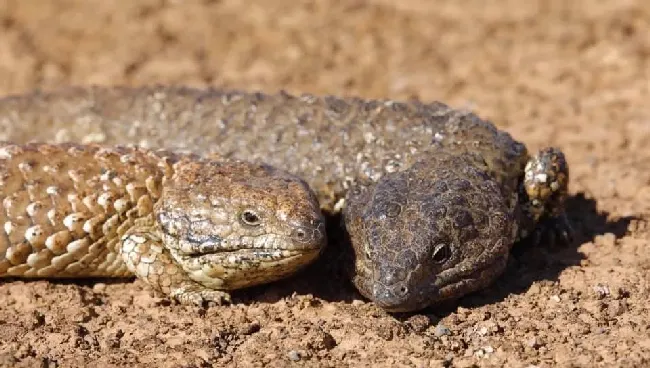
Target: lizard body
pixel 192 228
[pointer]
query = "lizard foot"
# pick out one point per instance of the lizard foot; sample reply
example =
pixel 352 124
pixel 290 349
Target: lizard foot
pixel 200 296
pixel 545 188
pixel 150 261
pixel 555 232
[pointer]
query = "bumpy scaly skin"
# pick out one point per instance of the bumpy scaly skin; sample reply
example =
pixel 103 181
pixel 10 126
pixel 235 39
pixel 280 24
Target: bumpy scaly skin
pixel 545 184
pixel 398 163
pixel 457 222
pixel 191 228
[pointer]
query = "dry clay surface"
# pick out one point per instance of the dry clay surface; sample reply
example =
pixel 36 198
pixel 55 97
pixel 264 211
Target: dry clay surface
pixel 572 74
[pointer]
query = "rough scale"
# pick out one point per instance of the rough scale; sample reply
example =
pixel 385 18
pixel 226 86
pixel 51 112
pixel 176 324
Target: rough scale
pixel 436 197
pixel 191 228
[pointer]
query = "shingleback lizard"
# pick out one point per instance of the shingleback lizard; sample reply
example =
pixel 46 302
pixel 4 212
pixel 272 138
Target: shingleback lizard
pixel 433 198
pixel 191 228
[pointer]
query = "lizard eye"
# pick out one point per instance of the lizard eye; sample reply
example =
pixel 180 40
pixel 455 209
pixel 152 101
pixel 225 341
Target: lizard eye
pixel 441 253
pixel 250 218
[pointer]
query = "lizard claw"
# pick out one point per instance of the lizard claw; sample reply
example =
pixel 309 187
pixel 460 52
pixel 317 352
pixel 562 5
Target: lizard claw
pixel 563 229
pixel 555 232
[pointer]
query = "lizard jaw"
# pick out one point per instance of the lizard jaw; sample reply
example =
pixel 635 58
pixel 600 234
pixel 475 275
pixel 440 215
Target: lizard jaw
pixel 243 268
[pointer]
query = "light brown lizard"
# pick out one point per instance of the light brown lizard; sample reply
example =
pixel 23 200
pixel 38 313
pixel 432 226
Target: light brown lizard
pixel 191 228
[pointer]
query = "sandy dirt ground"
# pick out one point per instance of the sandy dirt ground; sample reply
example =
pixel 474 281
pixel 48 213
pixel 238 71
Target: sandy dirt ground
pixel 572 74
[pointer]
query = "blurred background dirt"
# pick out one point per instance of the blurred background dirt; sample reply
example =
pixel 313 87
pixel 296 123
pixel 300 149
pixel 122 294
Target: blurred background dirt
pixel 572 74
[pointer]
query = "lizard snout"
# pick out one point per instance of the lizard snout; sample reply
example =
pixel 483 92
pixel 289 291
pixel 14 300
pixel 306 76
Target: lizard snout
pixel 309 233
pixel 391 291
pixel 391 297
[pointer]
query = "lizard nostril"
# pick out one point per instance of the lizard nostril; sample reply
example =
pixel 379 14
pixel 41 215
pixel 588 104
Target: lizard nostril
pixel 403 290
pixel 301 235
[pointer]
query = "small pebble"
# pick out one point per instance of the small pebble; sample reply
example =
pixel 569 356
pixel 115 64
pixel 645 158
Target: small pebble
pixel 622 293
pixel 250 328
pixel 293 356
pixel 601 291
pixel 39 319
pixel 441 330
pixel 419 322
pixel 484 351
pixel 534 342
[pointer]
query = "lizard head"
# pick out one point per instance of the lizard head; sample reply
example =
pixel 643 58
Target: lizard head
pixel 426 234
pixel 233 224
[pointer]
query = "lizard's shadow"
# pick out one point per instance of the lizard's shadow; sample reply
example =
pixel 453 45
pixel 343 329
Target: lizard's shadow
pixel 326 279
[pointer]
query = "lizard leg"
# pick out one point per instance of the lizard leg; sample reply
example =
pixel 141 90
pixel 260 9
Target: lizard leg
pixel 545 187
pixel 145 256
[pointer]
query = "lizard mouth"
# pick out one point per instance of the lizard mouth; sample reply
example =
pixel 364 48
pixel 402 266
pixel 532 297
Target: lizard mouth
pixel 231 269
pixel 253 254
pixel 484 272
pixel 246 254
pixel 196 246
